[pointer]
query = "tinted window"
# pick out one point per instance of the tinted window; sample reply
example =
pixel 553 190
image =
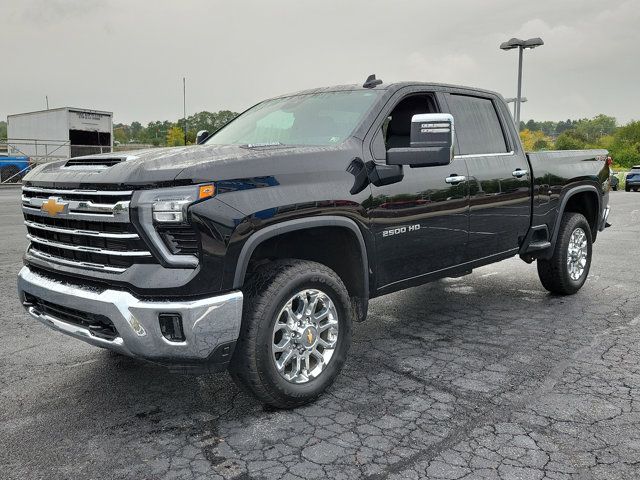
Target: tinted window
pixel 477 125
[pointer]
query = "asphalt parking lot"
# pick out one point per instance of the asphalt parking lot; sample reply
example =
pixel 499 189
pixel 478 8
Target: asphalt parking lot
pixel 485 376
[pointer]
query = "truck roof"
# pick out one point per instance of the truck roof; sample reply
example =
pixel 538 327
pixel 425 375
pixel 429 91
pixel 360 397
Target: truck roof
pixel 391 87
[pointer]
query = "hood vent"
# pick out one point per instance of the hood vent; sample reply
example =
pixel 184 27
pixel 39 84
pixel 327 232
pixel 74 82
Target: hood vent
pixel 104 162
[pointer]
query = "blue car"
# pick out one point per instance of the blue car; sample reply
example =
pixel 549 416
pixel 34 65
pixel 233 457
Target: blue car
pixel 632 182
pixel 12 168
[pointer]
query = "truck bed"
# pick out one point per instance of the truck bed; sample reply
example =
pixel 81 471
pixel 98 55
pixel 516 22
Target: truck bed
pixel 556 172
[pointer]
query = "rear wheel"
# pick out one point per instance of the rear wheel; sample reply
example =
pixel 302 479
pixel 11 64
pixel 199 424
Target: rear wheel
pixel 295 334
pixel 567 270
pixel 627 188
pixel 635 189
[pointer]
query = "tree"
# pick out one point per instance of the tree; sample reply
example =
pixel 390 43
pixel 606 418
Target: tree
pixel 155 133
pixel 175 137
pixel 136 129
pixel 569 140
pixel 120 134
pixel 535 140
pixel 3 130
pixel 209 121
pixel 625 147
pixel 596 127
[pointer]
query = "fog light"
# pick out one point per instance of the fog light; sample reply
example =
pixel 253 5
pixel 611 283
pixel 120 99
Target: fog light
pixel 171 326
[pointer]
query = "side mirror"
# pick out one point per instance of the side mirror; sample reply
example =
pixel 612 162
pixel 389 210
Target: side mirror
pixel 431 142
pixel 201 136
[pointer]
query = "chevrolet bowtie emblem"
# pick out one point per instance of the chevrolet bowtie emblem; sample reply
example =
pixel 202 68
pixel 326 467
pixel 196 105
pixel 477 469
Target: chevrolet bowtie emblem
pixel 54 206
pixel 309 337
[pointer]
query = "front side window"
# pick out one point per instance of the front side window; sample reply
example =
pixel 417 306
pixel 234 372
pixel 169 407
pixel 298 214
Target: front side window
pixel 478 128
pixel 312 119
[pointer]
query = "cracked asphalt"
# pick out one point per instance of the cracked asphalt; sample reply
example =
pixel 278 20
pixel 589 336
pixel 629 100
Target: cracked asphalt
pixel 481 377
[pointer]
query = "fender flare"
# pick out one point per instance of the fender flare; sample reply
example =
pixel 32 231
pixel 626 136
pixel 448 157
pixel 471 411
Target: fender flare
pixel 563 203
pixel 299 224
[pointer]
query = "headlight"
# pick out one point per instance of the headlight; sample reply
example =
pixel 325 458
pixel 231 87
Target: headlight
pixel 166 209
pixel 171 207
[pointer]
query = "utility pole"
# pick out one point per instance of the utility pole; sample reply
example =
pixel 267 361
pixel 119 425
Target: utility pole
pixel 46 98
pixel 184 107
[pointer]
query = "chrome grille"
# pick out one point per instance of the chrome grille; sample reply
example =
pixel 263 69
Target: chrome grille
pixel 88 228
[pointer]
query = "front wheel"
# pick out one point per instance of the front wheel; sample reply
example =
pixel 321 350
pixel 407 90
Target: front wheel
pixel 295 334
pixel 567 270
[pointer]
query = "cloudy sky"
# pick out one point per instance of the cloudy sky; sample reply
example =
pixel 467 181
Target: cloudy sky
pixel 129 56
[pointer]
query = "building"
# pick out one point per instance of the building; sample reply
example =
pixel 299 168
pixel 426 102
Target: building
pixel 59 133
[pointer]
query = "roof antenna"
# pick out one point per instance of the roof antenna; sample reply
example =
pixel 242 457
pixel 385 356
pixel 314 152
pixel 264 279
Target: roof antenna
pixel 371 82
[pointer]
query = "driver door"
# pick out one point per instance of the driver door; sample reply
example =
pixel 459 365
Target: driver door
pixel 421 224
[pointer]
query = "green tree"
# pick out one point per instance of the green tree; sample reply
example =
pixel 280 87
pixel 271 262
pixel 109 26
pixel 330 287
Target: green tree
pixel 135 131
pixel 120 134
pixel 155 133
pixel 625 147
pixel 570 140
pixel 3 129
pixel 596 127
pixel 210 121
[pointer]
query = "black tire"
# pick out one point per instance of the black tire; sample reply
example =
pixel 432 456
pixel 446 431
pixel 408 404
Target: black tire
pixel 635 189
pixel 627 188
pixel 554 273
pixel 265 294
pixel 615 189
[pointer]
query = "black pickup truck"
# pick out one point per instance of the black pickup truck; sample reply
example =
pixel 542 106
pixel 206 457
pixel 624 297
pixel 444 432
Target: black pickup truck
pixel 257 248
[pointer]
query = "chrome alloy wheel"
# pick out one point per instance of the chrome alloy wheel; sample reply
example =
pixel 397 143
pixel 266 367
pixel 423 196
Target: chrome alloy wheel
pixel 305 336
pixel 577 253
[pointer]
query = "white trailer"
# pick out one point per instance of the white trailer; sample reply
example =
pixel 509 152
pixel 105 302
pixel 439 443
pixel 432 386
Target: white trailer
pixel 59 133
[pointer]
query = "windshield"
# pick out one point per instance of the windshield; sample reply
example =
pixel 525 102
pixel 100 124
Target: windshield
pixel 313 119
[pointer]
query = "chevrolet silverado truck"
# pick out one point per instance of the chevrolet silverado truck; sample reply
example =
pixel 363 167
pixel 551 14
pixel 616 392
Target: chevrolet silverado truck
pixel 255 249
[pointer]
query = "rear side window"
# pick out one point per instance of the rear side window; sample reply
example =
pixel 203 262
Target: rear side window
pixel 477 125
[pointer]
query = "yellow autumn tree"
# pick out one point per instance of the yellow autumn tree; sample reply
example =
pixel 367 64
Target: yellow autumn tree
pixel 175 137
pixel 535 140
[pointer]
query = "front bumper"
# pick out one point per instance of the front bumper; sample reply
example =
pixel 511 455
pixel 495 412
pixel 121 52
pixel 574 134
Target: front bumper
pixel 211 326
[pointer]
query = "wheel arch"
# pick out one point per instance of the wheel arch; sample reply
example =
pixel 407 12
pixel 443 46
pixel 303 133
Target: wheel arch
pixel 571 203
pixel 281 229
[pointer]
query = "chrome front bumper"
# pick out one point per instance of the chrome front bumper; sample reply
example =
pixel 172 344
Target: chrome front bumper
pixel 210 325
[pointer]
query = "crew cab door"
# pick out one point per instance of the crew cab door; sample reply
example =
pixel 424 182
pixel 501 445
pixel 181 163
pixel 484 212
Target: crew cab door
pixel 421 222
pixel 499 176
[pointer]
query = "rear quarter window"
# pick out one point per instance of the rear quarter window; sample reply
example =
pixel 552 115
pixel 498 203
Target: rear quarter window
pixel 477 125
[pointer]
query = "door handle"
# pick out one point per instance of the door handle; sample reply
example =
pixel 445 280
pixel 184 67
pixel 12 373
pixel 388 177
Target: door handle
pixel 455 179
pixel 519 173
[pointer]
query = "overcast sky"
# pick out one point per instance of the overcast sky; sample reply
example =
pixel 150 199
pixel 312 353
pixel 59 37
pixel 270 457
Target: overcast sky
pixel 129 56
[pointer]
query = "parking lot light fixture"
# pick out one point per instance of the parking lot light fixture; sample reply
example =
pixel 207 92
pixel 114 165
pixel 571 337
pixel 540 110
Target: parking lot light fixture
pixel 514 100
pixel 521 45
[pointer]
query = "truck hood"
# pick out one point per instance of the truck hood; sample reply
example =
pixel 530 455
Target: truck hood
pixel 191 164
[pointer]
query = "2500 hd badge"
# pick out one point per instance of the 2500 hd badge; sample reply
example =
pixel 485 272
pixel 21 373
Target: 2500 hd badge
pixel 400 230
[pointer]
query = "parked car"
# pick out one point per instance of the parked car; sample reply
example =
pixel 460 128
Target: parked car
pixel 257 248
pixel 614 181
pixel 632 180
pixel 12 168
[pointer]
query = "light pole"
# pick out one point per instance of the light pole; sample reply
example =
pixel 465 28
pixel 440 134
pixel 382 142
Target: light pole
pixel 514 100
pixel 521 45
